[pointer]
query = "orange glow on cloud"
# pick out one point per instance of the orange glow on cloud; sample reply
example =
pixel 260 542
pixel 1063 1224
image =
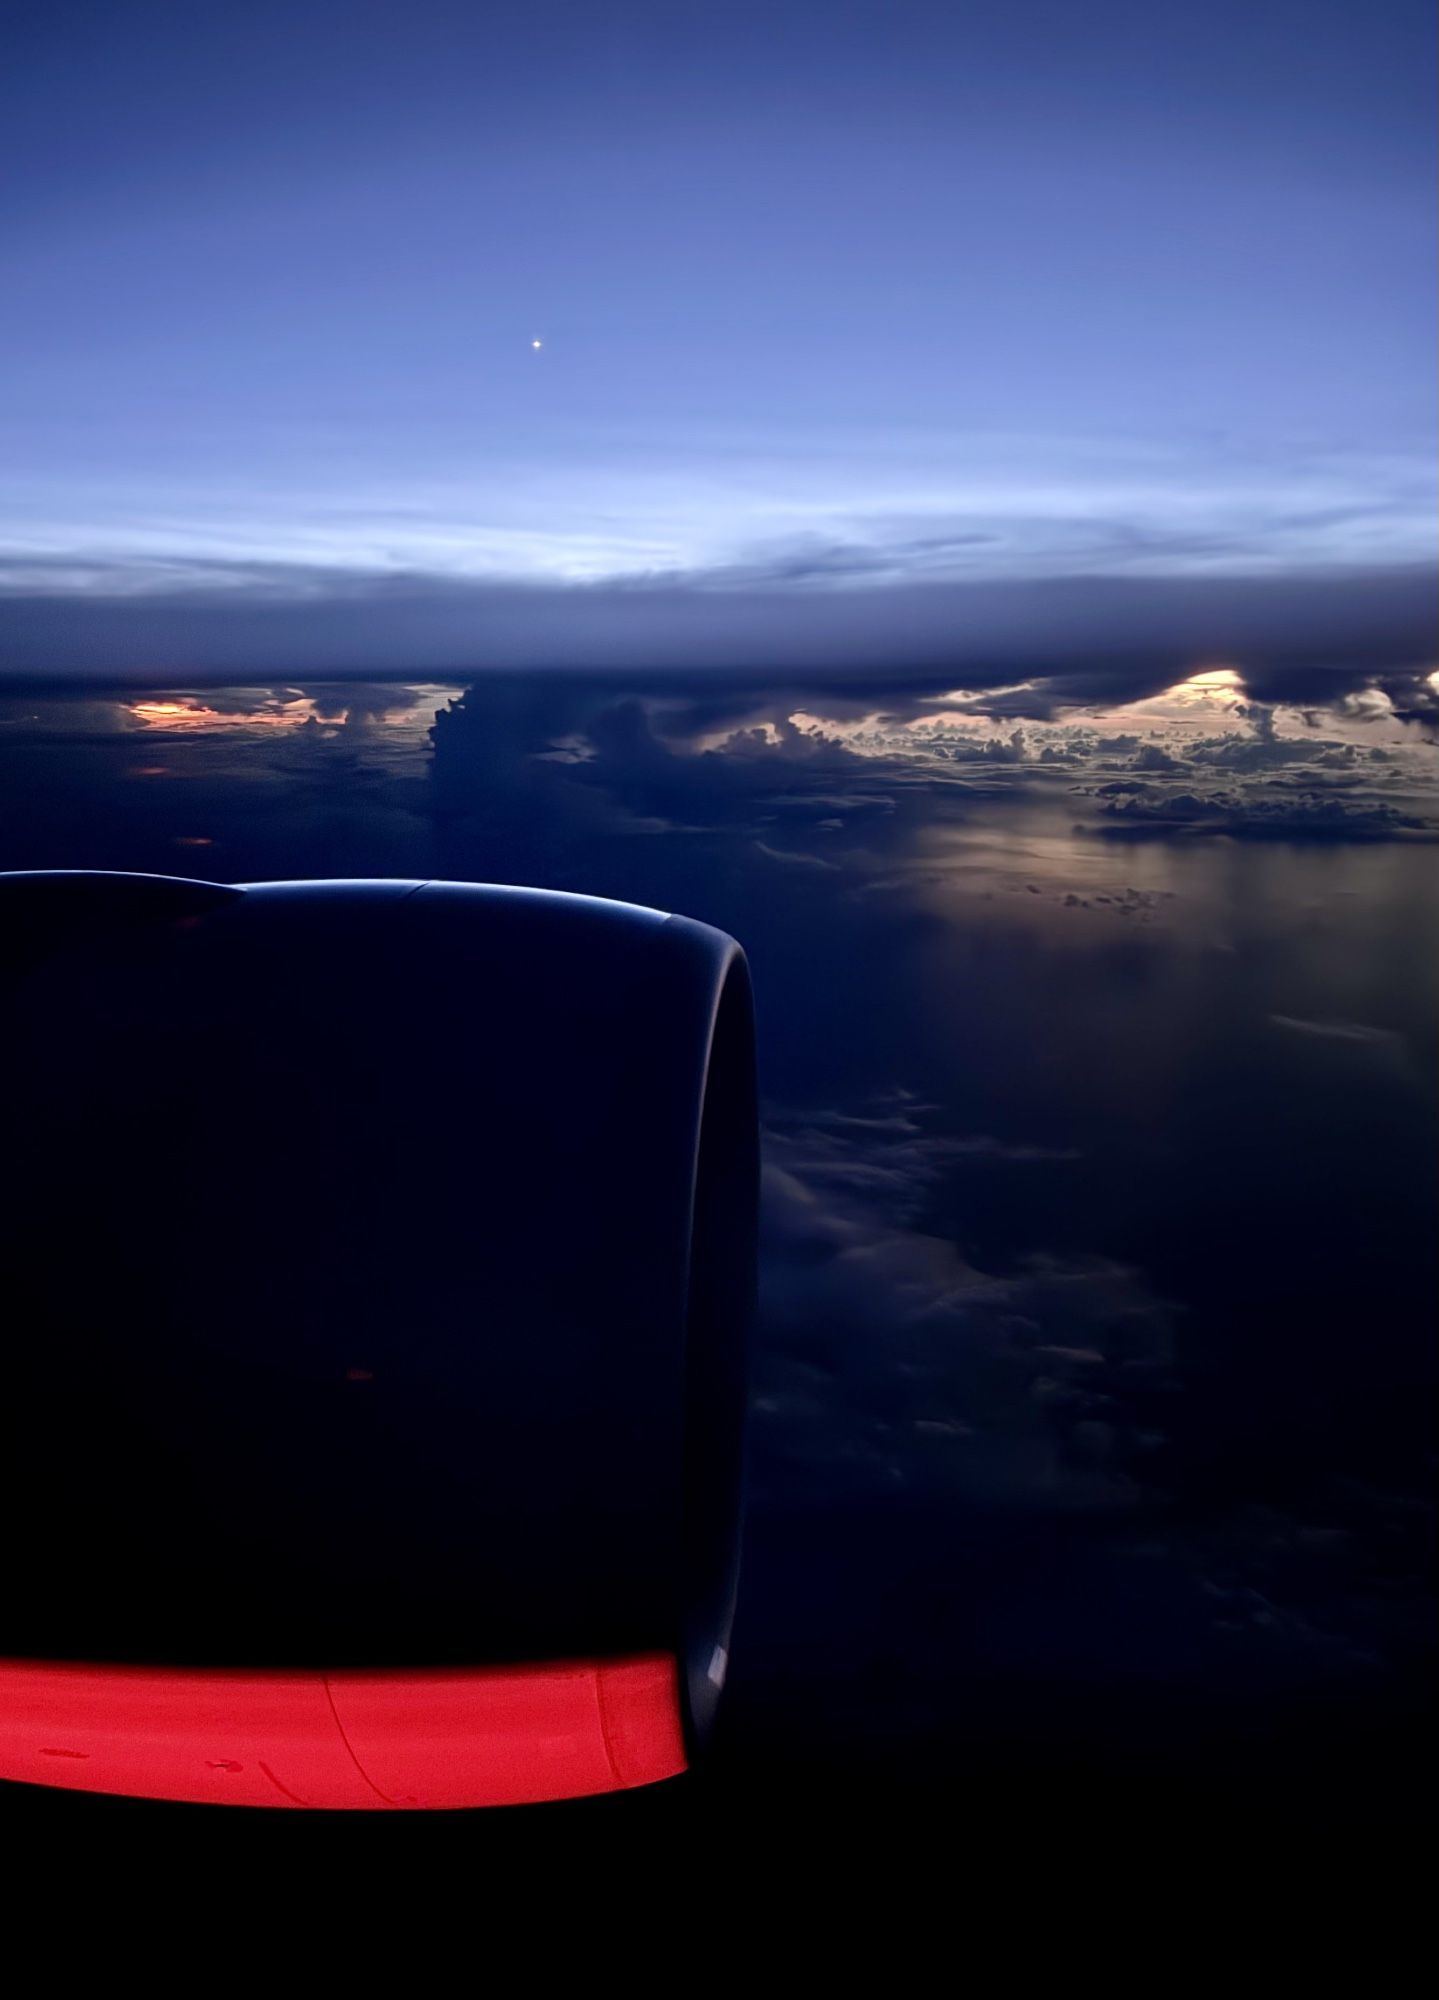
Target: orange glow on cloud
pixel 411 711
pixel 188 714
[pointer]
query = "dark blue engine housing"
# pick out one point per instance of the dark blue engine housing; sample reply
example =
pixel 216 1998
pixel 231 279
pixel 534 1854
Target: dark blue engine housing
pixel 378 1261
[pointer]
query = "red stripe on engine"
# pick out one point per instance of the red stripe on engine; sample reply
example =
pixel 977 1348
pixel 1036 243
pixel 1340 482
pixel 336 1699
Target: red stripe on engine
pixel 430 1737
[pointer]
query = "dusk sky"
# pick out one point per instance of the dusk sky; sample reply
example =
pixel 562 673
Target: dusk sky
pixel 856 321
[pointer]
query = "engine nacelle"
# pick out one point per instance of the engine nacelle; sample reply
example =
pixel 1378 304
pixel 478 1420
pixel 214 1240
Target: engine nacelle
pixel 378 1262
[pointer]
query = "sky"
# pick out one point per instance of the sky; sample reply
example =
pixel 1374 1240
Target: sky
pixel 857 324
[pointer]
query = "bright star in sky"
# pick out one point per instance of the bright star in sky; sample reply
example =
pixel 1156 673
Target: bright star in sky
pixel 536 343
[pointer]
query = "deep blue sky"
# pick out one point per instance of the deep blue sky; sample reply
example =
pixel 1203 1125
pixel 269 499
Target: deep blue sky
pixel 832 297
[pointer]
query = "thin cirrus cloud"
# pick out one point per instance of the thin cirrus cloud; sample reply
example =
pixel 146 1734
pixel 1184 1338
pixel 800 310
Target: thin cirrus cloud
pixel 810 509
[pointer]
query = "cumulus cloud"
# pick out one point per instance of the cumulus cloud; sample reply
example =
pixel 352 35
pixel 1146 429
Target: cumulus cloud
pixel 1311 816
pixel 795 768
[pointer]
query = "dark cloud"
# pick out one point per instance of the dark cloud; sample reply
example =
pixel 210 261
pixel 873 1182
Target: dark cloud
pixel 892 1359
pixel 1414 697
pixel 1049 1402
pixel 1071 640
pixel 1308 816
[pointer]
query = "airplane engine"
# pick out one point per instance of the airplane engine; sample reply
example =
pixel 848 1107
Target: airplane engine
pixel 378 1266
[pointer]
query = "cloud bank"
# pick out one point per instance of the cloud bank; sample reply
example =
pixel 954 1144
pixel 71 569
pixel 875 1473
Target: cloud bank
pixel 1031 647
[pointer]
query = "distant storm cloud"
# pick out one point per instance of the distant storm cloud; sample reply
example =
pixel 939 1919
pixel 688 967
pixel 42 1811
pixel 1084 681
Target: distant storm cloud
pixel 1023 649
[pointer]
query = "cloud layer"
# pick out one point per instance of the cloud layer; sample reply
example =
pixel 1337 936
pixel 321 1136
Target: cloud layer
pixel 1092 1421
pixel 1033 647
